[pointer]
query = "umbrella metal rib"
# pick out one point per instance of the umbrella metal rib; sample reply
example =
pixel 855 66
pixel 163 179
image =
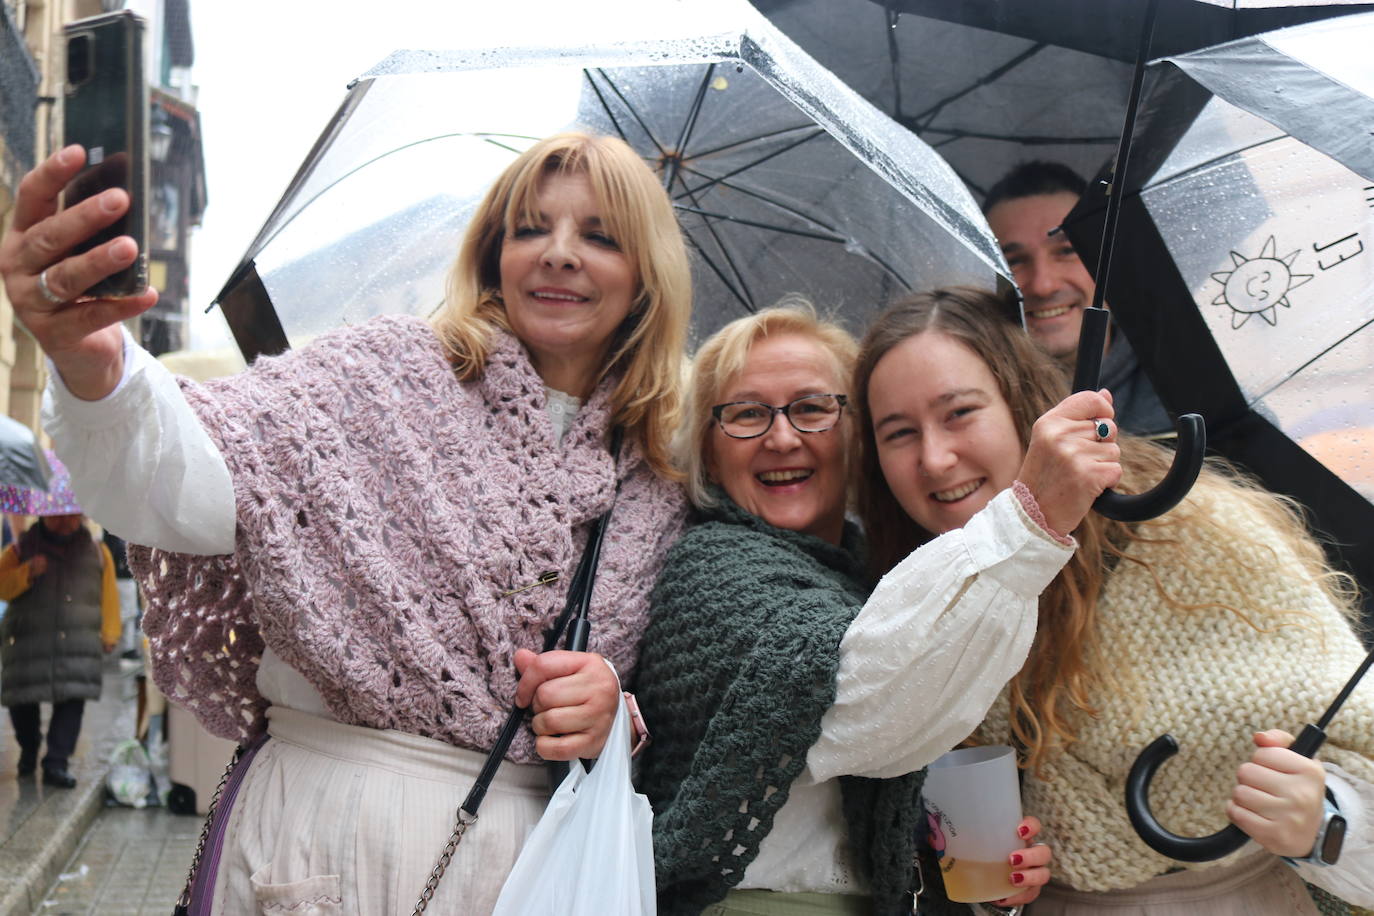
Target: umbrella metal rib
pixel 951 134
pixel 628 107
pixel 757 138
pixel 725 217
pixel 675 169
pixel 892 55
pixel 615 122
pixel 931 113
pixel 818 132
pixel 777 205
pixel 748 299
pixel 834 234
pixel 675 159
pixel 745 298
pixel 687 182
pixel 740 287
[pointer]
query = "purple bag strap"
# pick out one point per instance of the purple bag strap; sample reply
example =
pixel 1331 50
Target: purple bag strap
pixel 196 899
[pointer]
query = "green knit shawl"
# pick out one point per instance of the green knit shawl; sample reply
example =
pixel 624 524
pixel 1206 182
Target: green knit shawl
pixel 738 665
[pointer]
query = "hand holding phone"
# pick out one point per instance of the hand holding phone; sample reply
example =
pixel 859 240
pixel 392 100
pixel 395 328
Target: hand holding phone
pixel 45 281
pixel 73 257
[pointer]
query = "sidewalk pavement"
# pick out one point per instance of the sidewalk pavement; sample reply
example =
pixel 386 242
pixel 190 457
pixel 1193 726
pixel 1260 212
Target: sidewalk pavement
pixel 41 827
pixel 131 863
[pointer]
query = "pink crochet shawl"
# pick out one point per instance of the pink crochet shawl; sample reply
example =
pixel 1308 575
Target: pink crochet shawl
pixel 385 511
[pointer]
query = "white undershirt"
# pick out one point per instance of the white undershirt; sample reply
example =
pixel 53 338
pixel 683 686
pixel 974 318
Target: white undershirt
pixel 963 605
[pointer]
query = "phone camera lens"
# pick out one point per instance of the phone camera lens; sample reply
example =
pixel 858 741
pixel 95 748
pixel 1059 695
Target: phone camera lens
pixel 78 59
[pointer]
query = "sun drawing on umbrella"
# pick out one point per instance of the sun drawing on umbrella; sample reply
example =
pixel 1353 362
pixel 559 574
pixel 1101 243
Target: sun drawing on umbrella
pixel 1258 286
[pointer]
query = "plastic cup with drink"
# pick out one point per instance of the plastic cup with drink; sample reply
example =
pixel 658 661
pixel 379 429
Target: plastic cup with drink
pixel 973 798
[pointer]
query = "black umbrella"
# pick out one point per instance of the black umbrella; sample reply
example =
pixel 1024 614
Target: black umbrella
pixel 1228 839
pixel 990 83
pixel 1092 340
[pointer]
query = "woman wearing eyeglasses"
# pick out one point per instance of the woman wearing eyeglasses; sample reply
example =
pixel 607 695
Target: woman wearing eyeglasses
pixel 793 712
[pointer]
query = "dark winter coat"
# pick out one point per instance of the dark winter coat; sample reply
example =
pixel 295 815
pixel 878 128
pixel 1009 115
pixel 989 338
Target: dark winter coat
pixel 50 648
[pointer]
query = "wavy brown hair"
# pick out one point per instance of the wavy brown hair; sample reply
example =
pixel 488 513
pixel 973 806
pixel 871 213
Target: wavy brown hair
pixel 649 347
pixel 1066 663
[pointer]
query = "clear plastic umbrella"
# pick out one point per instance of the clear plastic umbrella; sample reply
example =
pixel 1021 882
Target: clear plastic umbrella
pixel 1243 282
pixel 785 180
pixel 1243 276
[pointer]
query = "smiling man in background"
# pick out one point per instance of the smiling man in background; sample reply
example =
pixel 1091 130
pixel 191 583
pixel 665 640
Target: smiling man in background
pixel 1023 208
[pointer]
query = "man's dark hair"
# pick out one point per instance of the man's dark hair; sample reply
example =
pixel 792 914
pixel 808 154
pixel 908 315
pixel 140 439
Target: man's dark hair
pixel 1030 179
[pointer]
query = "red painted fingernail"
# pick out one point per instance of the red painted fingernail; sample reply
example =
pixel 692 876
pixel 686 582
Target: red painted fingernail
pixel 1023 831
pixel 1016 858
pixel 1017 877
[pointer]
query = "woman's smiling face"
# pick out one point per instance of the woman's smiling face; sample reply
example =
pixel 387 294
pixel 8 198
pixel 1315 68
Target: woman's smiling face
pixel 790 479
pixel 946 440
pixel 566 284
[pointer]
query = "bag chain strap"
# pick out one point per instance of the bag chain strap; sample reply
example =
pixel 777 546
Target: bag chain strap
pixel 184 901
pixel 460 827
pixel 579 593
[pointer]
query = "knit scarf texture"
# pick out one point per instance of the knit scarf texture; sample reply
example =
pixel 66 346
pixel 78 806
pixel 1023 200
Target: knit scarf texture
pixel 738 667
pixel 1202 674
pixel 387 515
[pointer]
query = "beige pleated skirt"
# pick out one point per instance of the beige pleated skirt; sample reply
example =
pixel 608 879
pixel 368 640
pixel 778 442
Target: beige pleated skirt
pixel 1260 885
pixel 336 820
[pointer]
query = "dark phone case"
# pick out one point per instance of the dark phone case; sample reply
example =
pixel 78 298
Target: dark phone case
pixel 107 113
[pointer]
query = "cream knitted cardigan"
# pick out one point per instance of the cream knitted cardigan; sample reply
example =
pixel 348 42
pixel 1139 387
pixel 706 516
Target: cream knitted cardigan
pixel 385 510
pixel 1206 677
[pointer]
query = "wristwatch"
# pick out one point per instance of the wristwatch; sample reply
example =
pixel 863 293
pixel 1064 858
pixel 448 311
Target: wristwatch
pixel 1330 837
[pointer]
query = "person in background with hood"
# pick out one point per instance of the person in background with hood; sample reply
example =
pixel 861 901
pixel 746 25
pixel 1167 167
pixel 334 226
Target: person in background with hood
pixel 63 613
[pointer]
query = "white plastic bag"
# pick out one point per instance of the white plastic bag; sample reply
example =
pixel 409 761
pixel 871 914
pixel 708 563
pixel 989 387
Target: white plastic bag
pixel 592 852
pixel 129 779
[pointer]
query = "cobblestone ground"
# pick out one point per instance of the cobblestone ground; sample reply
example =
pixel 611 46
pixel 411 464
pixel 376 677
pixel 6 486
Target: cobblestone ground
pixel 131 862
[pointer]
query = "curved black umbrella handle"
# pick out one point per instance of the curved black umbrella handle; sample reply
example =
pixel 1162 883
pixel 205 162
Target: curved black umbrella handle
pixel 1192 437
pixel 1184 848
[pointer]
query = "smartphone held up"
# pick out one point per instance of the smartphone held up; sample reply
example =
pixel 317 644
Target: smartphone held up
pixel 105 110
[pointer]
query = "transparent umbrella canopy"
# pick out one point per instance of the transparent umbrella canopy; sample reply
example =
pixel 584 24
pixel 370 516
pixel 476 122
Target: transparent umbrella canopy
pixel 785 180
pixel 1242 273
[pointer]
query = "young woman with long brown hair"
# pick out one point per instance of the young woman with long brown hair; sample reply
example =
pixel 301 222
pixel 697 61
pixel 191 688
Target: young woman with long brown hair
pixel 1212 622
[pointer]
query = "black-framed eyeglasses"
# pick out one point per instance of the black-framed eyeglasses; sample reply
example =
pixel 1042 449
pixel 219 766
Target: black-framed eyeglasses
pixel 813 413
